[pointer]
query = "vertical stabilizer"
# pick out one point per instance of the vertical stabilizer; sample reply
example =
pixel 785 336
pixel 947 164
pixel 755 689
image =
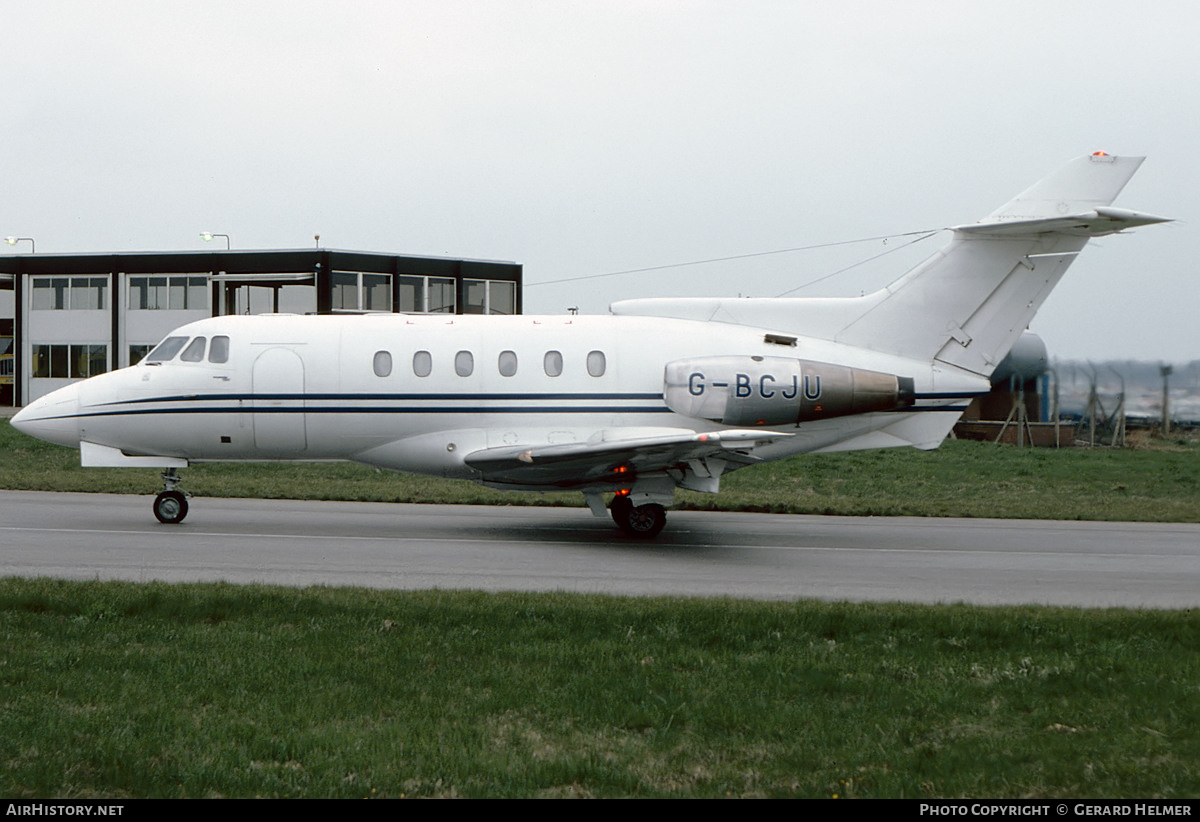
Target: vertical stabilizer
pixel 969 303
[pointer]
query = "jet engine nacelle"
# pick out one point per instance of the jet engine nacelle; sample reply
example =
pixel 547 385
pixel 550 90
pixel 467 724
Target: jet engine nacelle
pixel 742 391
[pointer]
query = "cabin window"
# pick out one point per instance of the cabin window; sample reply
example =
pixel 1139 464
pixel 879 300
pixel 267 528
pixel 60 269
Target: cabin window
pixel 383 363
pixel 508 363
pixel 552 362
pixel 166 349
pixel 219 350
pixel 195 351
pixel 595 363
pixel 422 363
pixel 464 363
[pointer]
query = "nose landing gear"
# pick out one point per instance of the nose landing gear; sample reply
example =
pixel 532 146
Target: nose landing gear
pixel 170 506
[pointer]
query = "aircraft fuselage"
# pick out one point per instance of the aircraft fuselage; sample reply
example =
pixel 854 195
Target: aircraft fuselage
pixel 418 393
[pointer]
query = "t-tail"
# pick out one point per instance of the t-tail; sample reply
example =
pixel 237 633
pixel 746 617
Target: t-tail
pixel 966 305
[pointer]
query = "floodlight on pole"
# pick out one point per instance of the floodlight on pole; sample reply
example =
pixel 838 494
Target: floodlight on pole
pixel 208 235
pixel 15 240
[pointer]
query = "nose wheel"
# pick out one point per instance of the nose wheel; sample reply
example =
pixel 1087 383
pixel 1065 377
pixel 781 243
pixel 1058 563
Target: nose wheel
pixel 171 506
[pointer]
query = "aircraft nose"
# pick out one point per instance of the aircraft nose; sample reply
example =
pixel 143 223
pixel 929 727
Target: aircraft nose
pixel 53 418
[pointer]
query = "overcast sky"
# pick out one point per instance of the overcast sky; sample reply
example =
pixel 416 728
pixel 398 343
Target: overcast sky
pixel 584 138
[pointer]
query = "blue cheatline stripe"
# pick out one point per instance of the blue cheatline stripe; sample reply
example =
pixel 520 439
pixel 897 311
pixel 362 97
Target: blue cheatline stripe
pixel 514 409
pixel 391 397
pixel 300 409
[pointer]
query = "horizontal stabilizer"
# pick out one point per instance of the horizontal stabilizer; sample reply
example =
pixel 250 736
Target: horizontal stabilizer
pixel 1094 223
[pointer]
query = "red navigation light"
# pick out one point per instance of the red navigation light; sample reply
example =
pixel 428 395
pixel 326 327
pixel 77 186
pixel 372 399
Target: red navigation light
pixel 1099 153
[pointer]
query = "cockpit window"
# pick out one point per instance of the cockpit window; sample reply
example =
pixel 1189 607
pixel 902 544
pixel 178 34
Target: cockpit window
pixel 219 350
pixel 195 351
pixel 166 350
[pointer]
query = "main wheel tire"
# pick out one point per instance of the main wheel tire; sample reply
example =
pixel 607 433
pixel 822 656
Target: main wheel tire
pixel 619 508
pixel 170 507
pixel 642 521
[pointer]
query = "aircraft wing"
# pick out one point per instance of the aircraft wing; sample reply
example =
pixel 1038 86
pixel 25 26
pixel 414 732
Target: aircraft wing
pixel 613 455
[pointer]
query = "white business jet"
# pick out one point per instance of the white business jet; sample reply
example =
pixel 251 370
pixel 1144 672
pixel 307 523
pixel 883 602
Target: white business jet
pixel 663 394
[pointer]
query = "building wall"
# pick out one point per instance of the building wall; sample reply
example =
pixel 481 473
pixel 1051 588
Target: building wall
pixel 67 330
pixel 75 316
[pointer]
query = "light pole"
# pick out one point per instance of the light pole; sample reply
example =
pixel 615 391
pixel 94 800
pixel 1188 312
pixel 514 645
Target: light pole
pixel 15 240
pixel 1165 371
pixel 208 235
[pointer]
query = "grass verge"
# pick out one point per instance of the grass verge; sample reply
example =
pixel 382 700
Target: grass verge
pixel 122 690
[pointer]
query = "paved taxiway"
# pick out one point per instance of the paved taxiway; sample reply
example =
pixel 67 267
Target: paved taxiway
pixel 762 556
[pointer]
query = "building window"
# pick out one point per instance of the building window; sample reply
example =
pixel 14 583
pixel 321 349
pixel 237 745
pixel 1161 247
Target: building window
pixel 69 361
pixel 474 296
pixel 440 296
pixel 345 291
pixel 412 294
pixel 552 362
pixel 502 297
pixel 173 293
pixel 595 363
pixel 422 363
pixel 70 293
pixel 50 293
pixel 255 299
pixel 489 297
pixel 136 352
pixel 355 291
pixel 382 363
pixel 377 292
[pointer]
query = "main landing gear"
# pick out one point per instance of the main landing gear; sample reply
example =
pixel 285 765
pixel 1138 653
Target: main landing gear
pixel 170 506
pixel 638 521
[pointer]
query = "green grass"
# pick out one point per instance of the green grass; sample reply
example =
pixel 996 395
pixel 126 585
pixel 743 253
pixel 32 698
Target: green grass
pixel 967 479
pixel 123 690
pixel 120 690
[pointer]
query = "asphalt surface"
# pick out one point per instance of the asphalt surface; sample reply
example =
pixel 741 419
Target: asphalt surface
pixel 754 556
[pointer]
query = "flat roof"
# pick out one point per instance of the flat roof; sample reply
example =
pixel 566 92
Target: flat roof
pixel 265 261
